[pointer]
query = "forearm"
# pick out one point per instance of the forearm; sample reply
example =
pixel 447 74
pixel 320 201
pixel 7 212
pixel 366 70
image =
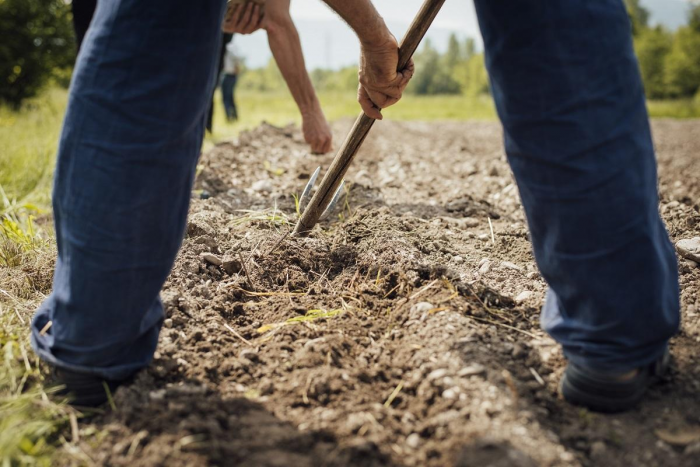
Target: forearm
pixel 364 19
pixel 286 49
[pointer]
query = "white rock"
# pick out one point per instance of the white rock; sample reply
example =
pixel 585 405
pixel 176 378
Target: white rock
pixel 451 394
pixel 471 370
pixel 419 311
pixel 413 440
pixel 262 185
pixel 458 259
pixel 689 248
pixel 486 267
pixel 509 265
pixel 211 259
pixel 524 295
pixel 437 374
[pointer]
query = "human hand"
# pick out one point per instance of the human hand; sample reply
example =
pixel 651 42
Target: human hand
pixel 317 132
pixel 380 84
pixel 243 18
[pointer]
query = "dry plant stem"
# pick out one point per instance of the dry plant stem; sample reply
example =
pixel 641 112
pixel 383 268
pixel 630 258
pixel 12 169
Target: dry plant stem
pixel 279 242
pixel 512 328
pixel 247 274
pixel 333 178
pixel 233 331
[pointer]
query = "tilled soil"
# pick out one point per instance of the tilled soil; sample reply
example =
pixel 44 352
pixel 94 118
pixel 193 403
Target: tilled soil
pixel 404 331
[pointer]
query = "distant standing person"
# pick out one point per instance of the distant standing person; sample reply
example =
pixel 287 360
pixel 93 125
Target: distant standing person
pixel 247 17
pixel 228 82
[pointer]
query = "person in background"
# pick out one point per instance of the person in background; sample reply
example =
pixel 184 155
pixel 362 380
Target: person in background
pixel 225 40
pixel 228 82
pixel 245 18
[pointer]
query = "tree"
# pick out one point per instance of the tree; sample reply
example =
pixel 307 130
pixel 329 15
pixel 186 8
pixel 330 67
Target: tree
pixel 37 38
pixel 639 16
pixel 653 46
pixel 682 65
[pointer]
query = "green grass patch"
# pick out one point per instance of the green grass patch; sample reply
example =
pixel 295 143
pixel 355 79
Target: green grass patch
pixel 681 108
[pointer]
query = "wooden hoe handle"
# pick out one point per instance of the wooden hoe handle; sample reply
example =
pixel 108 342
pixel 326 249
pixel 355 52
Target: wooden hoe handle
pixel 334 176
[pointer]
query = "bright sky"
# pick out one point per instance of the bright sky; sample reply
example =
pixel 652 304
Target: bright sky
pixel 329 43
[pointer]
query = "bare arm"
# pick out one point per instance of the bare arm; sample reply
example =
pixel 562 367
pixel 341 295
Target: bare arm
pixel 380 83
pixel 364 19
pixel 286 49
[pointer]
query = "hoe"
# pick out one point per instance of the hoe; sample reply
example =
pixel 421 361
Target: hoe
pixel 330 190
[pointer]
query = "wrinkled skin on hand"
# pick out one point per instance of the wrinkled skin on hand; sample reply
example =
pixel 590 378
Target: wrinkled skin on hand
pixel 317 132
pixel 380 84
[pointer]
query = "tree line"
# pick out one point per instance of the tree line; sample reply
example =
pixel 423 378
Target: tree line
pixel 669 62
pixel 38 47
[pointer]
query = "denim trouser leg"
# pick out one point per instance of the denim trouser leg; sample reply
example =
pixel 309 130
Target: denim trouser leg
pixel 569 95
pixel 127 155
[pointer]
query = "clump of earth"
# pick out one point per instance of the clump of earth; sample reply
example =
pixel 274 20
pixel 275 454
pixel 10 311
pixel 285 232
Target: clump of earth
pixel 403 331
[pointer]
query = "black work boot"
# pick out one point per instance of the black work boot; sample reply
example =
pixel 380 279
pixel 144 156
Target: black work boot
pixel 610 392
pixel 83 389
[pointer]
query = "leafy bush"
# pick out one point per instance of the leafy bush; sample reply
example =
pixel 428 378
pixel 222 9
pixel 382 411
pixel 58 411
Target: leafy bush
pixel 37 38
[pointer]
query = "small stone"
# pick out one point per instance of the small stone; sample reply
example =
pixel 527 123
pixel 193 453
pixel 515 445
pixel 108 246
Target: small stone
pixel 692 449
pixel 485 267
pixel 420 310
pixel 483 237
pixel 450 394
pixel 413 441
pixel 231 265
pixel 533 275
pixel 211 259
pixel 267 388
pixel 511 266
pixel 168 323
pixel 471 370
pixel 458 259
pixel 437 374
pixel 524 295
pixel 689 248
pixel 262 185
pixel 519 351
pixel 157 395
pixel 250 355
pixel 598 449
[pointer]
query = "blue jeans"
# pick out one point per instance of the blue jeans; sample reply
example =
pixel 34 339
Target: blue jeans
pixel 126 161
pixel 569 94
pixel 567 89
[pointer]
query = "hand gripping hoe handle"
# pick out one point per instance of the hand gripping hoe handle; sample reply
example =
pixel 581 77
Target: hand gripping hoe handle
pixel 331 183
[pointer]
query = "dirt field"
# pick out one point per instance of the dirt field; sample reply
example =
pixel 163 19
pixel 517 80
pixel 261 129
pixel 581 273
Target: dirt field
pixel 403 332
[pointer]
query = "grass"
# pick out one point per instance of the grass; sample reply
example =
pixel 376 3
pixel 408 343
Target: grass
pixel 32 427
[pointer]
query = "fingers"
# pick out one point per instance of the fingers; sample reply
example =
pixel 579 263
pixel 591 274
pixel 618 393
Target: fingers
pixel 368 106
pixel 243 18
pixel 231 18
pixel 321 144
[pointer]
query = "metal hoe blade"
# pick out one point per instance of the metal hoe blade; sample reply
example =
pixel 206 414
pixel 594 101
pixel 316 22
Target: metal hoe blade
pixel 306 195
pixel 334 201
